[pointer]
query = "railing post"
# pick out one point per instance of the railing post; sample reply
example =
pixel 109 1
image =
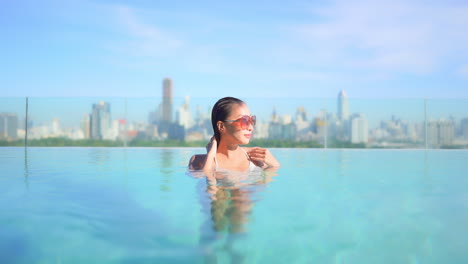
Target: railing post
pixel 425 124
pixel 26 125
pixel 325 134
pixel 125 124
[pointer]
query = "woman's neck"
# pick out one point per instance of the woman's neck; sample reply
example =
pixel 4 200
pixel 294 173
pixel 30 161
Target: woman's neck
pixel 227 149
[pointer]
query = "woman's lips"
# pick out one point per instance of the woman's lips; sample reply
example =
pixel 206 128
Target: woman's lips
pixel 247 135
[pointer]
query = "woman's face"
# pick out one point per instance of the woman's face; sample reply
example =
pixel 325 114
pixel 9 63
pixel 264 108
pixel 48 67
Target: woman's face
pixel 233 131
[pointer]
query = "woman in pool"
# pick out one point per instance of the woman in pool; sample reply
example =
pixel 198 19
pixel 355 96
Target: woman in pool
pixel 233 126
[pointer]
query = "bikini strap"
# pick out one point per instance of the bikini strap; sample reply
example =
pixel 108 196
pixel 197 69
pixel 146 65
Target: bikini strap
pixel 248 158
pixel 216 163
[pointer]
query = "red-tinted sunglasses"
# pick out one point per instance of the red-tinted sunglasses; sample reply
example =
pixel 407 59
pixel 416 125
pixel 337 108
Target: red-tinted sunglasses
pixel 245 121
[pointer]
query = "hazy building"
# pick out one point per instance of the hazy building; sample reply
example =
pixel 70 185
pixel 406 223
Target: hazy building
pixel 183 114
pixel 86 126
pixel 440 132
pixel 446 132
pixel 302 122
pixel 56 129
pixel 100 120
pixel 281 127
pixel 343 109
pixel 321 126
pixel 464 128
pixel 274 127
pixel 155 116
pixel 167 100
pixel 261 130
pixel 202 127
pixel 8 126
pixel 39 131
pixel 359 129
pixel 152 131
pixel 333 125
pixel 176 132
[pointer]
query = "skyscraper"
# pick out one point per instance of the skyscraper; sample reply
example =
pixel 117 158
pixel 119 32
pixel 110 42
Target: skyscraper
pixel 464 128
pixel 440 132
pixel 183 114
pixel 359 129
pixel 343 110
pixel 8 126
pixel 167 100
pixel 86 126
pixel 100 120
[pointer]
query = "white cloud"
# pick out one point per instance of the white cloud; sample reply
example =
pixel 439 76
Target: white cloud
pixel 341 42
pixel 396 36
pixel 146 39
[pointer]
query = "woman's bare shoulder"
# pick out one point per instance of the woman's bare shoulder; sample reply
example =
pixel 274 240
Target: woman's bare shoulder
pixel 197 161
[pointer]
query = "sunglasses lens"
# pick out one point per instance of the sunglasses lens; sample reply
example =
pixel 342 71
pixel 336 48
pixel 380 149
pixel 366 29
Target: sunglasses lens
pixel 247 120
pixel 244 122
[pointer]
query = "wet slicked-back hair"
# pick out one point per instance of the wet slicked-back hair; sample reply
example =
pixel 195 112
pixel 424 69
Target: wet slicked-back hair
pixel 221 111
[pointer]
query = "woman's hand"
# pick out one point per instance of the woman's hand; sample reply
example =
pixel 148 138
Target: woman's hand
pixel 257 156
pixel 262 157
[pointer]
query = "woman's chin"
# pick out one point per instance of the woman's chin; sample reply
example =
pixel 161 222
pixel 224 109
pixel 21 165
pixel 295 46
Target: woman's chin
pixel 245 142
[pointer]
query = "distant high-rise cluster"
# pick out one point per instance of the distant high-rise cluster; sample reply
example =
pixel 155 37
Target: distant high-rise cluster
pixel 441 132
pixel 168 121
pixel 162 124
pixel 342 126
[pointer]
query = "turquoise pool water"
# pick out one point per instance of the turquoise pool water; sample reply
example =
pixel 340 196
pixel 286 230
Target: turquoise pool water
pixel 141 205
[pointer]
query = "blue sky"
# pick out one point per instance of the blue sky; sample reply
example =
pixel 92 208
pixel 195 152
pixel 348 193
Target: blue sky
pixel 302 49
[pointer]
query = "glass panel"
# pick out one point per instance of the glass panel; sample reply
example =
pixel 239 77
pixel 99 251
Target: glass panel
pixel 281 122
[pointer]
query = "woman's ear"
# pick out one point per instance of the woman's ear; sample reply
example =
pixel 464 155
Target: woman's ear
pixel 220 126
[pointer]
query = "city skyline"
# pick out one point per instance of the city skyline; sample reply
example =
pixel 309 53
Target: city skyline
pixel 169 121
pixel 68 109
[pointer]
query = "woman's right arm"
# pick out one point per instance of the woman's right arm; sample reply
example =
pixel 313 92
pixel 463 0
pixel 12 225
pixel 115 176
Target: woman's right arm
pixel 211 149
pixel 205 162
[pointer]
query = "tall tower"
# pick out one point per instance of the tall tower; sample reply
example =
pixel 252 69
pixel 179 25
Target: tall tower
pixel 167 100
pixel 100 120
pixel 343 110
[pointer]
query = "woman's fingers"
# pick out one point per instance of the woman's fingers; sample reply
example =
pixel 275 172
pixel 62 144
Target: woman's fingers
pixel 257 154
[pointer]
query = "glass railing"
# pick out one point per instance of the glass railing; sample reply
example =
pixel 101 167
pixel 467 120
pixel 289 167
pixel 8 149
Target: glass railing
pixel 282 122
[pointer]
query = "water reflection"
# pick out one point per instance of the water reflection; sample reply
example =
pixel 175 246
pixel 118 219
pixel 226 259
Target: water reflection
pixel 228 201
pixel 166 169
pixel 99 156
pixel 26 168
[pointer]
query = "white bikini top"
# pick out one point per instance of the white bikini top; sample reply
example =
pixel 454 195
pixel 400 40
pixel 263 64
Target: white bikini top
pixel 252 166
pixel 230 178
